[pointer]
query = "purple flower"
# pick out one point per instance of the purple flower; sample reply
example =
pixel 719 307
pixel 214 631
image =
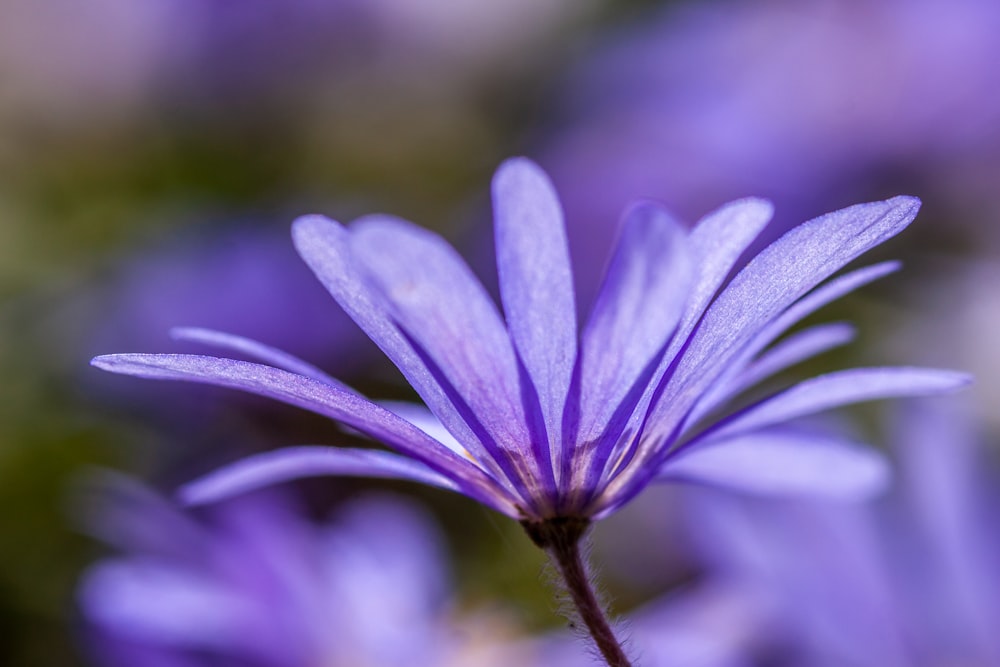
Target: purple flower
pixel 539 421
pixel 255 583
pixel 912 581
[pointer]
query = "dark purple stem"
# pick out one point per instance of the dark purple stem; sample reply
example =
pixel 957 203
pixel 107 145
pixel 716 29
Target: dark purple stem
pixel 561 538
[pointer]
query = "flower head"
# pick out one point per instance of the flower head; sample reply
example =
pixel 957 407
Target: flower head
pixel 538 420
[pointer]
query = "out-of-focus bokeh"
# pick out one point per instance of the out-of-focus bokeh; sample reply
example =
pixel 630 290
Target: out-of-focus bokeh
pixel 153 155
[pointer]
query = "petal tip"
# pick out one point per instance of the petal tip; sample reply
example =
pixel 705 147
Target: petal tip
pixel 871 480
pixel 758 206
pixel 516 173
pixel 961 380
pixel 518 163
pixel 306 228
pixel 645 206
pixel 908 205
pixel 312 220
pixel 185 332
pixel 103 361
pixel 946 381
pixel 192 495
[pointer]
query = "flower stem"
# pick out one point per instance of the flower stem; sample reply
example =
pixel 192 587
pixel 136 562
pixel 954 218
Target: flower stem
pixel 560 537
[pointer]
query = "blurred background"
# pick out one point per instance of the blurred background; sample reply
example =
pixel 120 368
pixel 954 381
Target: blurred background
pixel 153 155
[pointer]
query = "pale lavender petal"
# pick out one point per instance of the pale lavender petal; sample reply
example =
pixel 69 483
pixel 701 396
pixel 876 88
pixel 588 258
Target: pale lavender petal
pixel 323 244
pixel 318 397
pixel 536 284
pixel 124 513
pixel 777 277
pixel 426 421
pixel 438 301
pixel 807 305
pixel 814 395
pixel 784 463
pixel 713 623
pixel 794 349
pixel 259 351
pixel 840 388
pixel 635 313
pixel 191 608
pixel 291 463
pixel 718 241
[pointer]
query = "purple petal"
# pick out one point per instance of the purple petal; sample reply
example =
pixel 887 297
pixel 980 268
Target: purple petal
pixel 718 241
pixel 821 296
pixel 120 511
pixel 635 313
pixel 439 303
pixel 794 349
pixel 263 353
pixel 536 284
pixel 291 463
pixel 323 244
pixel 781 463
pixel 426 421
pixel 807 305
pixel 318 397
pixel 841 388
pixel 770 283
pixel 946 471
pixel 191 608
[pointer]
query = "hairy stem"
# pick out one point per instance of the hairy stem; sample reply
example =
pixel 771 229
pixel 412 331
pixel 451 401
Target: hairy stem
pixel 560 537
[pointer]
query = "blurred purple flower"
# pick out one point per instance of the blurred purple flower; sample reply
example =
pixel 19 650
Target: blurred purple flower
pixel 254 583
pixel 812 105
pixel 527 423
pixel 913 581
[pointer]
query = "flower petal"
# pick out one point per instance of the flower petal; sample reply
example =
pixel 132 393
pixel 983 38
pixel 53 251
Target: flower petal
pixel 796 348
pixel 836 389
pixel 444 308
pixel 290 463
pixel 192 608
pixel 770 283
pixel 718 241
pixel 259 351
pixel 807 305
pixel 324 245
pixel 536 284
pixel 122 512
pixel 636 311
pixel 780 463
pixel 309 394
pixel 426 421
